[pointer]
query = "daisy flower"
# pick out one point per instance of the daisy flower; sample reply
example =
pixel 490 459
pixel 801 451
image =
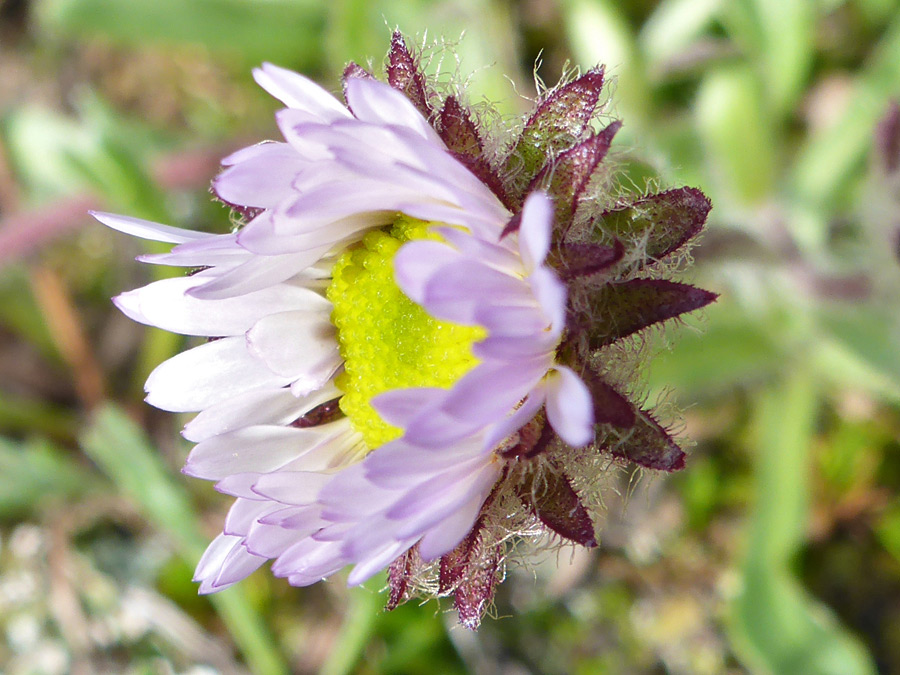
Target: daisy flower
pixel 415 345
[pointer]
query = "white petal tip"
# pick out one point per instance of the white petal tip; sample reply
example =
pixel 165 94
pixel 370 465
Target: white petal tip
pixel 359 578
pixel 578 438
pixel 129 304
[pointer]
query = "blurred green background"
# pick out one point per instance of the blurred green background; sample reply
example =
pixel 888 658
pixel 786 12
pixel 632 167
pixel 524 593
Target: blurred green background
pixel 776 551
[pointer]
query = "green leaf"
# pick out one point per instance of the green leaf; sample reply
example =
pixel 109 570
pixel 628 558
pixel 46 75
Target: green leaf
pixel 673 26
pixel 33 473
pixel 25 415
pixel 254 30
pixel 121 178
pixel 39 143
pixel 777 628
pixel 889 529
pixel 737 133
pixel 600 34
pixel 476 33
pixel 829 161
pixel 123 452
pixel 870 333
pixel 20 314
pixel 730 349
pixel 55 156
pixel 780 37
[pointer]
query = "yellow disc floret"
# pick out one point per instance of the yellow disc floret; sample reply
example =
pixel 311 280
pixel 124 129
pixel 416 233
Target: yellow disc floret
pixel 388 341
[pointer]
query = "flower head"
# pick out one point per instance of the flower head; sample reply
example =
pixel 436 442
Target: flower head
pixel 413 342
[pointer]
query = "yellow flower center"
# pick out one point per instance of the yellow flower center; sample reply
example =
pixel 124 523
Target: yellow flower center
pixel 388 341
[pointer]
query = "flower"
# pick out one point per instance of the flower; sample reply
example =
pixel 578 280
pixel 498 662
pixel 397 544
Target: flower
pixel 406 364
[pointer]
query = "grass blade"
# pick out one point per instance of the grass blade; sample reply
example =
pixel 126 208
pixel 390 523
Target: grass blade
pixel 123 452
pixel 776 626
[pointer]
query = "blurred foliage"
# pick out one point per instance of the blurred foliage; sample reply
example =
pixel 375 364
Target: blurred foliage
pixel 776 551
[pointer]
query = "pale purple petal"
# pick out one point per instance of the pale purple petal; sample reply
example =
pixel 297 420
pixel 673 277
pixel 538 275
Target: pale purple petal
pixel 297 518
pixel 167 304
pixel 510 349
pixel 240 485
pixel 415 264
pixel 551 294
pixel 458 290
pixel 399 465
pixel 313 151
pixel 263 180
pixel 507 427
pixel 486 393
pixel 400 406
pixel 300 345
pixel 238 565
pixel 447 534
pixel 447 503
pixel 436 493
pixel 511 321
pixel 271 233
pixel 534 232
pixel 334 201
pixel 376 102
pixel 438 429
pixel 248 153
pixel 381 145
pixel 297 91
pixel 264 406
pixel 338 453
pixel 335 532
pixel 242 514
pixel 208 374
pixel 365 537
pixel 431 211
pixel 220 251
pixel 270 541
pixel 350 496
pixel 261 449
pixel 307 557
pixel 493 254
pixel 424 180
pixel 369 146
pixel 211 560
pixel 570 409
pixel 377 561
pixel 322 572
pixel 146 229
pixel 257 273
pixel 366 151
pixel 298 488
